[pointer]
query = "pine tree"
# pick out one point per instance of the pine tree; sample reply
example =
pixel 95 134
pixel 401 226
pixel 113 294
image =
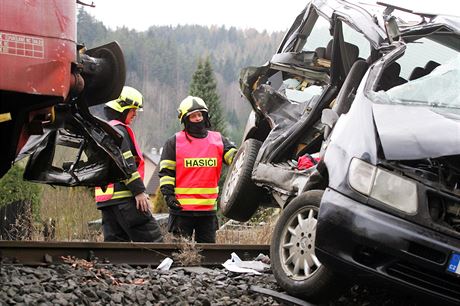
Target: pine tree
pixel 203 85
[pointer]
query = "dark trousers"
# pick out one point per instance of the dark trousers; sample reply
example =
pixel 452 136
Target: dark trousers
pixel 205 227
pixel 124 222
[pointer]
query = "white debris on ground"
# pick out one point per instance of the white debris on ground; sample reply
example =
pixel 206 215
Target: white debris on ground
pixel 235 264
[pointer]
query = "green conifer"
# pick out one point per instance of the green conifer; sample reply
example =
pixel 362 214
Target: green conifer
pixel 203 85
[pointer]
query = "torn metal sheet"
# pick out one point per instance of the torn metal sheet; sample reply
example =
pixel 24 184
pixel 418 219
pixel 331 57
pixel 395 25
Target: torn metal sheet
pixel 76 150
pixel 287 117
pixel 421 118
pixel 283 179
pixel 426 132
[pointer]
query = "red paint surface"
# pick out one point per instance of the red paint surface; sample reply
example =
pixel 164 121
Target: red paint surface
pixel 37 46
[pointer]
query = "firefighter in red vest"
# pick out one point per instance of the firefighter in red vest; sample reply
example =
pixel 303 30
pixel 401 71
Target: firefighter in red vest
pixel 124 205
pixel 190 168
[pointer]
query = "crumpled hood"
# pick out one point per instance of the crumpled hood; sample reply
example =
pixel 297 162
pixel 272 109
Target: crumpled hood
pixel 415 132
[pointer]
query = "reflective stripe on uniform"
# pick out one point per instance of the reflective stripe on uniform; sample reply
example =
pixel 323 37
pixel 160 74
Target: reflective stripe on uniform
pixel 167 164
pixel 102 196
pixel 214 190
pixel 122 194
pixel 99 191
pixel 197 201
pixel 133 177
pixel 127 154
pixel 228 157
pixel 167 180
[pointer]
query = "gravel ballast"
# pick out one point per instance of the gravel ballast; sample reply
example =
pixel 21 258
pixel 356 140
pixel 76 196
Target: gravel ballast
pixel 85 283
pixel 122 284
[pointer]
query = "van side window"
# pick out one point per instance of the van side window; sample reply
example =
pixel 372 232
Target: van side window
pixel 353 37
pixel 319 37
pixel 419 54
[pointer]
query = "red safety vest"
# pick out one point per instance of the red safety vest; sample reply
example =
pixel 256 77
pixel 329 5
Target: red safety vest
pixel 102 196
pixel 198 166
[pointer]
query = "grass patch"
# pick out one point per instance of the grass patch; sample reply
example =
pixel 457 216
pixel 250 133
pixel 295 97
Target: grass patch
pixel 234 232
pixel 68 210
pixel 189 253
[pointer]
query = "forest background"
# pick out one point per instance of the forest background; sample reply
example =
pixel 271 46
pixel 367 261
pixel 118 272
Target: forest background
pixel 161 61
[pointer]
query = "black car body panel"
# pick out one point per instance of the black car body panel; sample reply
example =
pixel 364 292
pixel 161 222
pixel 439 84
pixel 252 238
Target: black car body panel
pixel 79 151
pixel 367 242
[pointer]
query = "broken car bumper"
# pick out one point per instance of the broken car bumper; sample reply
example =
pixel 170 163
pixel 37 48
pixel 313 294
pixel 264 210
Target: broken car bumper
pixel 365 242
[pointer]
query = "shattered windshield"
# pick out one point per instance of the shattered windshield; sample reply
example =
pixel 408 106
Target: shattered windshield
pixel 438 89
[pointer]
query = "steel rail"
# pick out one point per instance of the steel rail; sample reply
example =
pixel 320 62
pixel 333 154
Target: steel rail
pixel 36 253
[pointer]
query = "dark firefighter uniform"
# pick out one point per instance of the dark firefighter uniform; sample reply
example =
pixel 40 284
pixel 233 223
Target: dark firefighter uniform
pixel 121 219
pixel 190 168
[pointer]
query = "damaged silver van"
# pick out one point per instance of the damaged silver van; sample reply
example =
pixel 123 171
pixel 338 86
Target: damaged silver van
pixel 369 95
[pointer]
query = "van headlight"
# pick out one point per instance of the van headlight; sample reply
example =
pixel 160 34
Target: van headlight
pixel 384 186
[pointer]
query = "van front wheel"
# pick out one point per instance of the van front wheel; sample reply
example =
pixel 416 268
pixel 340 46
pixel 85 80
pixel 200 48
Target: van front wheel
pixel 292 251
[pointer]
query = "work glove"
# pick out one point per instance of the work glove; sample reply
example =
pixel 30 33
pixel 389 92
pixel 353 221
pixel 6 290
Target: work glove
pixel 173 203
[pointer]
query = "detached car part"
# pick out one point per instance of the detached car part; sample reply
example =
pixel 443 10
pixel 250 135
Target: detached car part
pixel 46 86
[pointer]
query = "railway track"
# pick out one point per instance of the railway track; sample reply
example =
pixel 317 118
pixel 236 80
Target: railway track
pixel 36 253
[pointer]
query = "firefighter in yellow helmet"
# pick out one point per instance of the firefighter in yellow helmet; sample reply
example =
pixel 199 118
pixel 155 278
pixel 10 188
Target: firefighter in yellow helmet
pixel 190 169
pixel 124 205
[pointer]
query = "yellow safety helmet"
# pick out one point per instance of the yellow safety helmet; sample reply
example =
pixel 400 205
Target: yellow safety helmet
pixel 189 105
pixel 129 98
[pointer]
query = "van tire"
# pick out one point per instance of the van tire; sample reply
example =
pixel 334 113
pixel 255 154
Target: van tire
pixel 320 282
pixel 240 197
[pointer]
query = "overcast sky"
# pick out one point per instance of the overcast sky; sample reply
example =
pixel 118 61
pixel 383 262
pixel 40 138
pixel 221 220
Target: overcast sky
pixel 270 15
pixel 140 14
